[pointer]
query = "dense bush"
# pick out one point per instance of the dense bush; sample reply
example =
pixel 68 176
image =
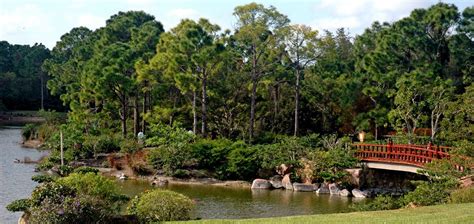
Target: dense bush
pixel 430 192
pixel 19 205
pixel 42 178
pixel 129 145
pixel 463 195
pixel 381 202
pixel 211 154
pixel 104 143
pixel 244 162
pixel 29 131
pixel 86 169
pixel 78 198
pixel 329 164
pixel 94 185
pixel 165 135
pixel 160 205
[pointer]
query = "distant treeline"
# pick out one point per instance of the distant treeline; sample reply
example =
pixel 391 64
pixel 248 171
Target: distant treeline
pixel 22 81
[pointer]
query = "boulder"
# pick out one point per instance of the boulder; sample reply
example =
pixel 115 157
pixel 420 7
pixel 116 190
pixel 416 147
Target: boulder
pixel 304 187
pixel 276 182
pixel 345 193
pixel 333 189
pixel 286 182
pixel 261 184
pixel 160 182
pixel 323 189
pixel 359 194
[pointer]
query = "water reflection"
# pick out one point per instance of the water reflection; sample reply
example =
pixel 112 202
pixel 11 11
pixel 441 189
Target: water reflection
pixel 216 202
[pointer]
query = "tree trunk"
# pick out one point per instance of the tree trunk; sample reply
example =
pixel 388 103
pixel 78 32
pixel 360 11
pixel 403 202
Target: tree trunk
pixel 194 113
pixel 252 108
pixel 123 117
pixel 297 101
pixel 253 95
pixel 42 91
pixel 144 109
pixel 204 105
pixel 136 116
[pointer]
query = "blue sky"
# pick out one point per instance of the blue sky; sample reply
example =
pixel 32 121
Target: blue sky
pixel 44 21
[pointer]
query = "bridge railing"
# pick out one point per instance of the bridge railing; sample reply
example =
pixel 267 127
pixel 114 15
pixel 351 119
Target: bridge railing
pixel 417 155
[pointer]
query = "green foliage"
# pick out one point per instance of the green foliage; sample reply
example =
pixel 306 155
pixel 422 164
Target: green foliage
pixel 29 131
pixel 211 154
pixel 129 145
pixel 86 169
pixel 244 162
pixel 104 143
pixel 20 205
pixel 430 192
pixel 330 161
pixel 42 178
pixel 160 206
pixel 65 170
pixel 94 185
pixel 463 195
pixel 168 135
pixel 381 202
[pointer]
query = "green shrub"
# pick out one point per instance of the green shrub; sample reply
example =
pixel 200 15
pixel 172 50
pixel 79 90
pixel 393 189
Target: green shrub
pixel 78 209
pixel 430 192
pixel 171 158
pixel 244 162
pixel 211 154
pixel 165 135
pixel 42 178
pixel 29 131
pixel 104 143
pixel 86 169
pixel 381 202
pixel 93 184
pixel 20 205
pixel 65 170
pixel 160 205
pixel 463 195
pixel 129 146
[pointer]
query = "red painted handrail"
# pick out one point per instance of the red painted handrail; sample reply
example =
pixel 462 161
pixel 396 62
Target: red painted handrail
pixel 416 155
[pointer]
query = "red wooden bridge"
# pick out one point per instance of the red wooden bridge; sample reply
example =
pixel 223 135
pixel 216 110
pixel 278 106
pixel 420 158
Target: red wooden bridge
pixel 401 154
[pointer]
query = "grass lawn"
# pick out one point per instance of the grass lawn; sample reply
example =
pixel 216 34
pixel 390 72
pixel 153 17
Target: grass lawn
pixel 451 213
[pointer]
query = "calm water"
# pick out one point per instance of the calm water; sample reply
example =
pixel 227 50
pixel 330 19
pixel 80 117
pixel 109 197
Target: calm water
pixel 213 202
pixel 15 178
pixel 216 202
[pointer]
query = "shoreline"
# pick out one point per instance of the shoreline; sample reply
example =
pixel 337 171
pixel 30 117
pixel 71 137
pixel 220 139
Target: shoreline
pixel 111 172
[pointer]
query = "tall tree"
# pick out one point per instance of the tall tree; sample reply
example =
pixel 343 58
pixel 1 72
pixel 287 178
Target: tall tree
pixel 301 43
pixel 257 30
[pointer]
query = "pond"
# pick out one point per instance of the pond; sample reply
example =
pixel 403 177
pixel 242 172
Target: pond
pixel 218 202
pixel 15 178
pixel 212 202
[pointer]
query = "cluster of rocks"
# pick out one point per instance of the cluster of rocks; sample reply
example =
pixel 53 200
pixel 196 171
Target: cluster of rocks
pixel 324 188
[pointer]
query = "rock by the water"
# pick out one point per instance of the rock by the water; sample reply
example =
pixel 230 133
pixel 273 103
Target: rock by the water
pixel 304 187
pixel 160 182
pixel 333 189
pixel 323 189
pixel 359 194
pixel 286 182
pixel 276 184
pixel 345 193
pixel 261 184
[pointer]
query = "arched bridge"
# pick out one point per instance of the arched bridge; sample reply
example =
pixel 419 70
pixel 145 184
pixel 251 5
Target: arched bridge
pixel 400 157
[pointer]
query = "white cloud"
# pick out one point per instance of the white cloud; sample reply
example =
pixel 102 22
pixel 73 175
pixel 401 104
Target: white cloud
pixel 91 21
pixel 183 13
pixel 356 15
pixel 23 18
pixel 24 24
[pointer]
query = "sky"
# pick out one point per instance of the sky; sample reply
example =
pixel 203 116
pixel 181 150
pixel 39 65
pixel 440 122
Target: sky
pixel 44 21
